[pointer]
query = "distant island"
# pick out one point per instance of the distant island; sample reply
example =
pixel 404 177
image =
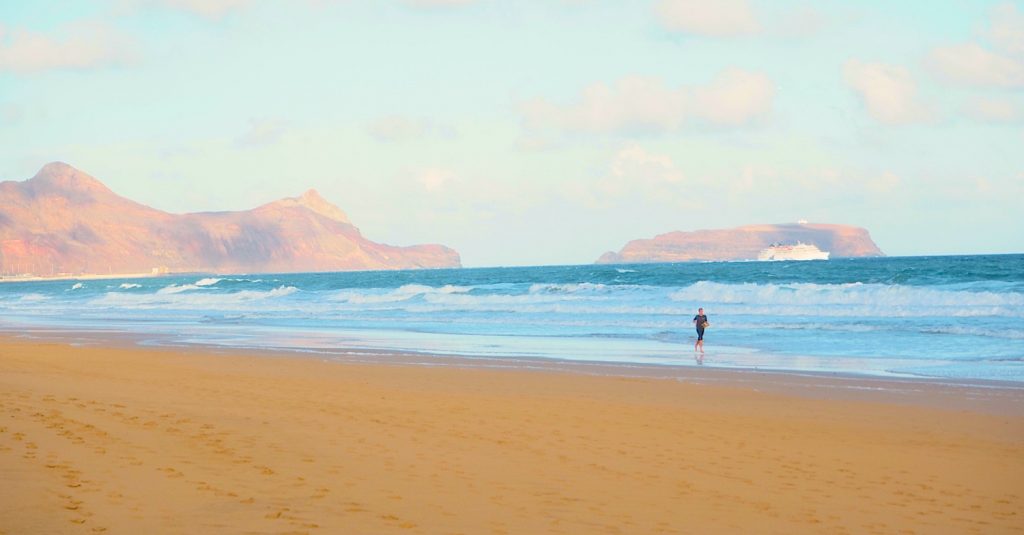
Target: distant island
pixel 744 243
pixel 63 222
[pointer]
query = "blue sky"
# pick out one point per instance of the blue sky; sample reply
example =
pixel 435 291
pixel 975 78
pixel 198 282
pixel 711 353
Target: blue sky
pixel 537 132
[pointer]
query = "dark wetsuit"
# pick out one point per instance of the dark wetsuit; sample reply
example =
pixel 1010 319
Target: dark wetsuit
pixel 700 320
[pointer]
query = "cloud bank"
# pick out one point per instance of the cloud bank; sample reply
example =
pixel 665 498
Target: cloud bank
pixel 888 91
pixel 971 64
pixel 208 9
pixel 1007 30
pixel 720 18
pixel 641 104
pixel 1000 65
pixel 996 110
pixel 79 46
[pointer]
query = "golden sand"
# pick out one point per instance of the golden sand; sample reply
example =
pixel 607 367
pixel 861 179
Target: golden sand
pixel 128 440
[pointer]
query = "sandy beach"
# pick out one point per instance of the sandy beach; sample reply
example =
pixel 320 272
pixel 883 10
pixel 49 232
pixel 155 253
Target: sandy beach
pixel 130 440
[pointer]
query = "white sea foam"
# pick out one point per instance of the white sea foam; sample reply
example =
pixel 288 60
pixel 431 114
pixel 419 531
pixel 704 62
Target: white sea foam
pixel 849 324
pixel 402 293
pixel 855 325
pixel 193 300
pixel 849 300
pixel 747 304
pixel 756 300
pixel 845 327
pixel 570 288
pixel 174 288
pixel 420 299
pixel 1011 334
pixel 249 295
pixel 77 286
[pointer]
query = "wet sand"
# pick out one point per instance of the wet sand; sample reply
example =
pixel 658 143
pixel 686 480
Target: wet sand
pixel 131 440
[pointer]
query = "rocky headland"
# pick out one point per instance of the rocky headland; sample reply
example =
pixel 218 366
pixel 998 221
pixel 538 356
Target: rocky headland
pixel 63 221
pixel 744 243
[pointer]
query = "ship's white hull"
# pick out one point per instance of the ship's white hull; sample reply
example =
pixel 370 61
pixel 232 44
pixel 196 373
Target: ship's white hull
pixel 799 251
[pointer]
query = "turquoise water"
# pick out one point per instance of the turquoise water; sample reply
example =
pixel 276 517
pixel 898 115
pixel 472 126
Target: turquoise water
pixel 959 317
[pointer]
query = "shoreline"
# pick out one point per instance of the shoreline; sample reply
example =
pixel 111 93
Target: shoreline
pixel 683 371
pixel 781 320
pixel 85 277
pixel 980 395
pixel 124 438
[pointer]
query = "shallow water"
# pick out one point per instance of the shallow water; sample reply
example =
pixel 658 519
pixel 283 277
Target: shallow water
pixel 959 317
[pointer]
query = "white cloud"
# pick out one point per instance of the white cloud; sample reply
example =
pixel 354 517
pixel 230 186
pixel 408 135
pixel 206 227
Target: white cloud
pixel 1000 65
pixel 209 9
pixel 805 21
pixel 996 110
pixel 888 91
pixel 637 104
pixel 633 175
pixel 972 64
pixel 734 97
pixel 632 103
pixel 1007 30
pixel 737 18
pixel 76 46
pixel 719 18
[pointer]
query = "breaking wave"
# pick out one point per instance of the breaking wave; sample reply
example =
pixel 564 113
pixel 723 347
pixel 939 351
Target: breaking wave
pixel 175 288
pixel 822 316
pixel 571 288
pixel 853 299
pixel 402 293
pixel 177 299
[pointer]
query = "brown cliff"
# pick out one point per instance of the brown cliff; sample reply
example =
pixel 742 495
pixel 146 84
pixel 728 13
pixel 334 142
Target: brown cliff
pixel 743 243
pixel 65 221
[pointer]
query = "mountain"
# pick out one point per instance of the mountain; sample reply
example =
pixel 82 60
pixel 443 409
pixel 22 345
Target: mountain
pixel 64 221
pixel 743 243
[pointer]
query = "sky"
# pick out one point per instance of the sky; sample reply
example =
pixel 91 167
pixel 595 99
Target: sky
pixel 537 132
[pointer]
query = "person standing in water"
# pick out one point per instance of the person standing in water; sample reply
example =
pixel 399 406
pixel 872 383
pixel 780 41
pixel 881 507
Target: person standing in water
pixel 700 321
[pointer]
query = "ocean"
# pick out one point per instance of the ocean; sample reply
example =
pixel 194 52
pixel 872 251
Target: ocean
pixel 949 317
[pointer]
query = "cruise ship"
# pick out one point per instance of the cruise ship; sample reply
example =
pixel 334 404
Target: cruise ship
pixel 800 251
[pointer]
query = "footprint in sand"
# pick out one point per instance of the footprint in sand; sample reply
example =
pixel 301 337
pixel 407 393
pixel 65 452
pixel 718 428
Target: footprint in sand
pixel 171 472
pixel 355 507
pixel 277 514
